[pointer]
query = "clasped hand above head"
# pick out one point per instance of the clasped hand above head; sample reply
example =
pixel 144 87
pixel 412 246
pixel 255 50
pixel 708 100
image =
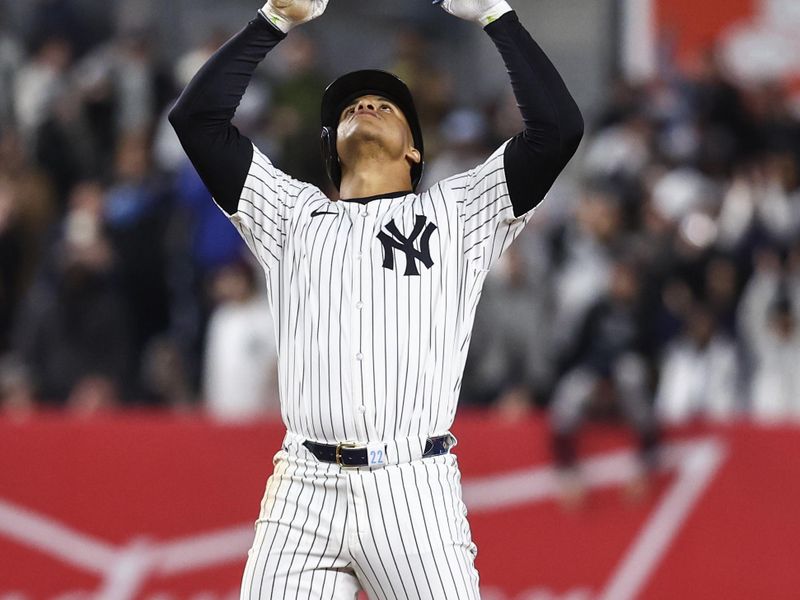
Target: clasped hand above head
pixel 479 11
pixel 286 14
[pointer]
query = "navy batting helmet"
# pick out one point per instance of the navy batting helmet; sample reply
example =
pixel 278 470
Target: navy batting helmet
pixel 360 83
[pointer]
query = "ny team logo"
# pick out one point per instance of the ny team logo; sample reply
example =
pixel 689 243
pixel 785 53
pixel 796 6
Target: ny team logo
pixel 396 240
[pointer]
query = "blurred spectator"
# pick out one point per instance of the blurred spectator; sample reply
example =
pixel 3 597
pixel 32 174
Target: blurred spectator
pixel 769 322
pixel 166 147
pixel 606 371
pixel 39 81
pixel 583 251
pixel 510 362
pixel 125 73
pixel 16 392
pixel 699 373
pixel 73 333
pixel 623 101
pixel 11 252
pixel 776 124
pixel 136 214
pixel 294 115
pixel 67 20
pixel 10 60
pixel 725 130
pixel 93 394
pixel 505 119
pixel 241 357
pixel 721 292
pixel 622 149
pixel 123 89
pixel 63 145
pixel 26 213
pixel 763 200
pixel 213 242
pixel 432 87
pixel 679 193
pixel 165 380
pixel 464 135
pixel 201 241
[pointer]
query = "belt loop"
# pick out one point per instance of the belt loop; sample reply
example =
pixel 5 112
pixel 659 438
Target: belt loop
pixel 406 449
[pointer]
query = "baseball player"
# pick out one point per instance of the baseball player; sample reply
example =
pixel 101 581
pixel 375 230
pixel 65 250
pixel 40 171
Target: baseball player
pixel 373 297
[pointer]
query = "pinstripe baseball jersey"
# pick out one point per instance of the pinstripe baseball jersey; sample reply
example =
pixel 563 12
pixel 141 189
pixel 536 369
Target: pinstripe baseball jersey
pixel 374 299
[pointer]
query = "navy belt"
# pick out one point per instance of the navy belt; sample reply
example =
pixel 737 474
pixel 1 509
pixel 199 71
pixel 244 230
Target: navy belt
pixel 347 454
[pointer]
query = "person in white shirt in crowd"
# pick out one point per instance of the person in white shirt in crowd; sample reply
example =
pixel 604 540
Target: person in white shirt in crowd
pixel 240 375
pixel 699 373
pixel 37 84
pixel 763 196
pixel 622 149
pixel 583 259
pixel 768 321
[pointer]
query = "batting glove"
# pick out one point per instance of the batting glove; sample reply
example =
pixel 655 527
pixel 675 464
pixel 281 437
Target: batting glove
pixel 480 11
pixel 285 14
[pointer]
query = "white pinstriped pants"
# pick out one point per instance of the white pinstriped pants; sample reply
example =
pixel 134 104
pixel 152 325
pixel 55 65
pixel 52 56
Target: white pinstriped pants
pixel 398 532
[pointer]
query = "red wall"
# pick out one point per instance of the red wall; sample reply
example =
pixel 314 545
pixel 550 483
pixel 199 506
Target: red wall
pixel 721 521
pixel 695 25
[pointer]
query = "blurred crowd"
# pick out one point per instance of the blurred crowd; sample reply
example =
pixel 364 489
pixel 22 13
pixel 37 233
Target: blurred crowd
pixel 670 289
pixel 664 286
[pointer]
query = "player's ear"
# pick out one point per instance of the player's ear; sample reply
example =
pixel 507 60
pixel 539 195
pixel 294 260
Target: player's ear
pixel 414 155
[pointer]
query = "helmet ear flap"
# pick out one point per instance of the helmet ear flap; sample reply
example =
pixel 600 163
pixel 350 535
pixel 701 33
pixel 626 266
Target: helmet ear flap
pixel 330 156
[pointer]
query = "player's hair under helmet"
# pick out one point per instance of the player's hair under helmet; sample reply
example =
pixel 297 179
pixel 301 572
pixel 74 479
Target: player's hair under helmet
pixel 360 83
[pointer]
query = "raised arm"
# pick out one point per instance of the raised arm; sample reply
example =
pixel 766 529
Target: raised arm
pixel 202 116
pixel 553 123
pixel 496 198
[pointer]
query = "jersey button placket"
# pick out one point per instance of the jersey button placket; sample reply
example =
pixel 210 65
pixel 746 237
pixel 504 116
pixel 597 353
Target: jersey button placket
pixel 361 241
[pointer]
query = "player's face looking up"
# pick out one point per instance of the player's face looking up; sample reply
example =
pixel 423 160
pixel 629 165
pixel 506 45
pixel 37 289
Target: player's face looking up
pixel 373 127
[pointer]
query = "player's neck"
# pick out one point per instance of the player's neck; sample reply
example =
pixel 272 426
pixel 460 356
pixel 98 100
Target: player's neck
pixel 372 178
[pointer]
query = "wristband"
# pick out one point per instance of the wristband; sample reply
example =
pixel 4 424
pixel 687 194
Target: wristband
pixel 494 13
pixel 277 19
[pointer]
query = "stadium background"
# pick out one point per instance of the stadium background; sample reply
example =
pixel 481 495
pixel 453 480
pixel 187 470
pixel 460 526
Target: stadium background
pixel 131 469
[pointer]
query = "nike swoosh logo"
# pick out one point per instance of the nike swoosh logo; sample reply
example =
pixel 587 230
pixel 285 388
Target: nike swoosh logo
pixel 319 212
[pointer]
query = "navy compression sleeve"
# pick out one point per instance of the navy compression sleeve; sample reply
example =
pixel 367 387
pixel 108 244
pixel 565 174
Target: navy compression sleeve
pixel 202 116
pixel 553 122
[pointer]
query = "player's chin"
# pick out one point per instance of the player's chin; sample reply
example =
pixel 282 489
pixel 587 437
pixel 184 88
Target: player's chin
pixel 364 135
pixel 368 128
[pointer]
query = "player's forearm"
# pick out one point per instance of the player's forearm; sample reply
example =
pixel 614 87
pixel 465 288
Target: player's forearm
pixel 553 121
pixel 548 109
pixel 203 114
